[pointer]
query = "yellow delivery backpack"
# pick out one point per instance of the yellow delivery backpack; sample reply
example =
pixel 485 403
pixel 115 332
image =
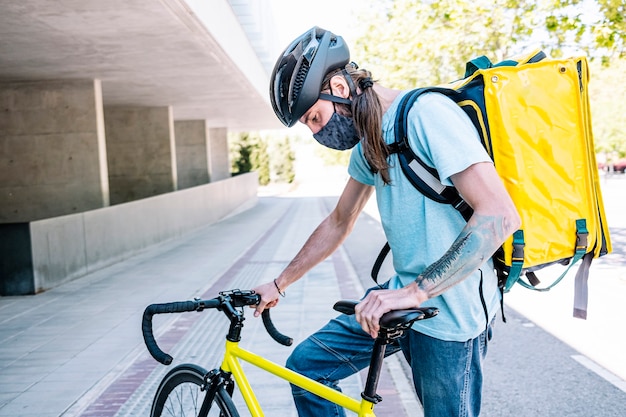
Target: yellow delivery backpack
pixel 533 118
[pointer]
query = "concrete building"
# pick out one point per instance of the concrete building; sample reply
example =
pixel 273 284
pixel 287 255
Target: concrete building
pixel 113 126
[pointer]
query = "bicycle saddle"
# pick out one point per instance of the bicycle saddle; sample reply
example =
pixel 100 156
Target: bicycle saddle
pixel 392 319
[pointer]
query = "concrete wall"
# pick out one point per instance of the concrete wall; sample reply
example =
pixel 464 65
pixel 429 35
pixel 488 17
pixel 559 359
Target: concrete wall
pixel 219 164
pixel 52 152
pixel 191 152
pixel 141 152
pixel 67 247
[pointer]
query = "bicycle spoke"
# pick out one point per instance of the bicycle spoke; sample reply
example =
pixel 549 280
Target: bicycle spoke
pixel 183 401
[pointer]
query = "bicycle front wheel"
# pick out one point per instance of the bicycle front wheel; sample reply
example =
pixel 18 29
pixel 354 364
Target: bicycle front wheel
pixel 180 394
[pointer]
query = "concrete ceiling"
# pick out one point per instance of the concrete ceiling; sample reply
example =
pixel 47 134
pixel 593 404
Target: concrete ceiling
pixel 192 55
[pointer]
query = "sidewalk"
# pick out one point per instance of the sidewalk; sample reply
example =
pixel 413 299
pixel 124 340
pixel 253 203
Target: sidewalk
pixel 77 350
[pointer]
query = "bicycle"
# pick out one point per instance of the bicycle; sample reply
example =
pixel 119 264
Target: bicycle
pixel 180 391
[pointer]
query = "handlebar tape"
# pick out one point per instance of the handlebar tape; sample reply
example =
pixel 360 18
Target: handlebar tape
pixel 146 326
pixel 184 306
pixel 271 329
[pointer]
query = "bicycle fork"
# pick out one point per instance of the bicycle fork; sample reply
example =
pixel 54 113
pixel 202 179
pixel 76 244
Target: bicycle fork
pixel 214 382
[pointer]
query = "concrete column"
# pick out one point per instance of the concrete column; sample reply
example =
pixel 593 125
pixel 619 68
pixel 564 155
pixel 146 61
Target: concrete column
pixel 141 152
pixel 191 152
pixel 52 151
pixel 219 165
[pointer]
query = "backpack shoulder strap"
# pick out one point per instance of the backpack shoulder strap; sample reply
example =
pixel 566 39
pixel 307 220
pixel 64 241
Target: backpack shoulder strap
pixel 423 177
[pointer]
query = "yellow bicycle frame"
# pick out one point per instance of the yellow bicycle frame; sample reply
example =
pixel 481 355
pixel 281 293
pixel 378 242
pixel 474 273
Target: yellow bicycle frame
pixel 233 353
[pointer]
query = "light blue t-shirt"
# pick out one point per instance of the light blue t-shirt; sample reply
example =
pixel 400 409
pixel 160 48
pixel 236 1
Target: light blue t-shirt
pixel 420 230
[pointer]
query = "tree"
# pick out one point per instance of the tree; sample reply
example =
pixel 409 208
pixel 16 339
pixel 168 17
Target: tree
pixel 241 150
pixel 409 43
pixel 412 43
pixel 261 161
pixel 249 153
pixel 598 27
pixel 606 91
pixel 283 161
pixel 332 157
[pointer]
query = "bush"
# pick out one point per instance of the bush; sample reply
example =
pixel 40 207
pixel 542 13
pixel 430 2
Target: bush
pixel 283 159
pixel 249 152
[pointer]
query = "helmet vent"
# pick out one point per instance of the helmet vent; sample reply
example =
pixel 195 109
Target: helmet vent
pixel 299 80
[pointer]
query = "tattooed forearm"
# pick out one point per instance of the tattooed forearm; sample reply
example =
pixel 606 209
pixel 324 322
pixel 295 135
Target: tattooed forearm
pixel 480 238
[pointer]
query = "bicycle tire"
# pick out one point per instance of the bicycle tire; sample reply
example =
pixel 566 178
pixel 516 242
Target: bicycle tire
pixel 180 395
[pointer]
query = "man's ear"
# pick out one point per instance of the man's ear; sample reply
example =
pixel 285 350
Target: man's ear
pixel 339 86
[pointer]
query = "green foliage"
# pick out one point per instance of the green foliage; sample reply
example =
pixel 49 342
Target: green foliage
pixel 261 161
pixel 410 43
pixel 283 159
pixel 332 157
pixel 249 151
pixel 598 27
pixel 607 91
pixel 240 149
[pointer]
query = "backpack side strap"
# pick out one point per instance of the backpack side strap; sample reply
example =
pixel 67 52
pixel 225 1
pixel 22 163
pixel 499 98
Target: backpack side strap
pixel 378 263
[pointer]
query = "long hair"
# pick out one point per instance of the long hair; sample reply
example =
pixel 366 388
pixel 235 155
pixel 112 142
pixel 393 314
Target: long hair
pixel 367 113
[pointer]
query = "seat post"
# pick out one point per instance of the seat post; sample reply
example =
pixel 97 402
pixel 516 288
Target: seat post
pixel 376 364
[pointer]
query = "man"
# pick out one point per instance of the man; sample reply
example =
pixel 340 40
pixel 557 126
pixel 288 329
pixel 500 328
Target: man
pixel 440 259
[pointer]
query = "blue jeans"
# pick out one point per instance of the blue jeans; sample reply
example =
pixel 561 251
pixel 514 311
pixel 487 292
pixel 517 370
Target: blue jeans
pixel 447 375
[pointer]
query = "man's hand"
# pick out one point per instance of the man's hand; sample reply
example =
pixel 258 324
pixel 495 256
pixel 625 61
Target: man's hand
pixel 269 297
pixel 378 302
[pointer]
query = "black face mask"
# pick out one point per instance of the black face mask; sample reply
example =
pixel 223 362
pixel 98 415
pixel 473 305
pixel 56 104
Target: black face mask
pixel 339 133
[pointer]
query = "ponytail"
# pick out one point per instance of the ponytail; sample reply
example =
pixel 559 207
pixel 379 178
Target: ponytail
pixel 367 113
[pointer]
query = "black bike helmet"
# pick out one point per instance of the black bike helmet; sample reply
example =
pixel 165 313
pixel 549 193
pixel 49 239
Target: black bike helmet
pixel 299 72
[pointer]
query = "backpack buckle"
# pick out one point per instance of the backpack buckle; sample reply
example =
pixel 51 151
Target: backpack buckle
pixel 397 147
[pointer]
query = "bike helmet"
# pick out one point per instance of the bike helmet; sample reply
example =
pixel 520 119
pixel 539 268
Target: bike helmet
pixel 299 72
